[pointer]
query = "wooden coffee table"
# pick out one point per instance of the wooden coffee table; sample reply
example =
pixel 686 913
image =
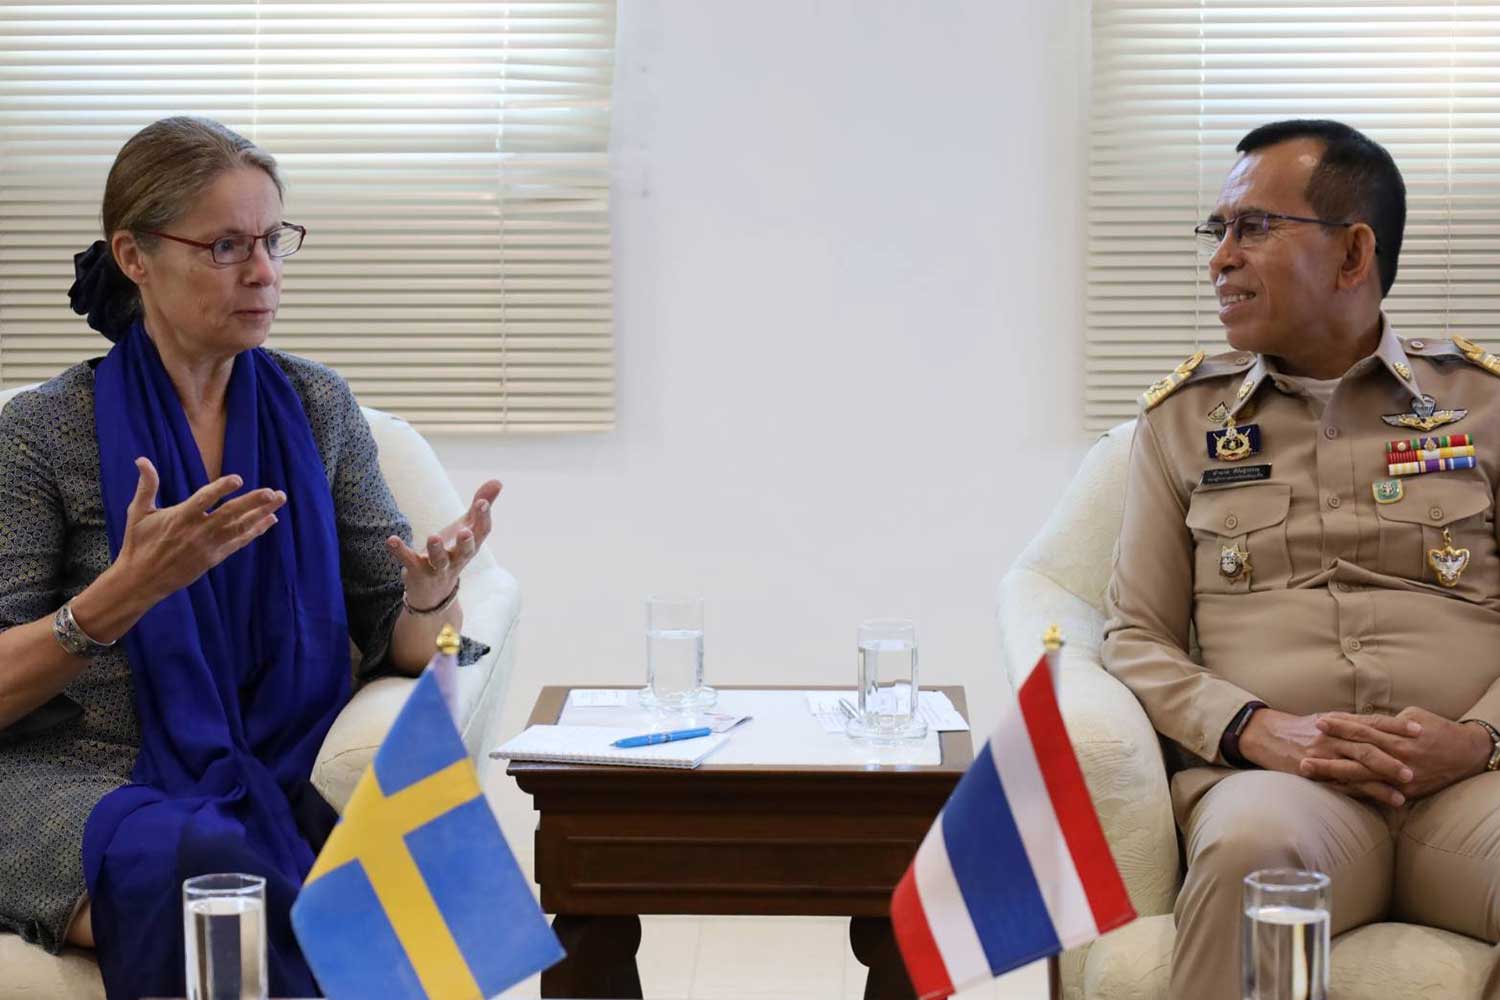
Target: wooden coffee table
pixel 615 842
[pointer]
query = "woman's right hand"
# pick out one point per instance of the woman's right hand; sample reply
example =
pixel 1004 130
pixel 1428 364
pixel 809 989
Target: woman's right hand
pixel 167 548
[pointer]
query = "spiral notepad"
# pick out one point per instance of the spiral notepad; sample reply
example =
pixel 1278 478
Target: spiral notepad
pixel 591 745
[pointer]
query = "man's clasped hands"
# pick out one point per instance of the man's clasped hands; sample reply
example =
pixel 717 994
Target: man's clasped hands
pixel 1383 758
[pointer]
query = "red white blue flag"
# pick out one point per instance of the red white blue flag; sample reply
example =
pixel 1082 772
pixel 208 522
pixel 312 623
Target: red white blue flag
pixel 1016 867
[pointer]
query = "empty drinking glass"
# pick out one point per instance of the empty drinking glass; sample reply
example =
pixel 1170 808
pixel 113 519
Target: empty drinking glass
pixel 1284 935
pixel 674 656
pixel 886 702
pixel 224 925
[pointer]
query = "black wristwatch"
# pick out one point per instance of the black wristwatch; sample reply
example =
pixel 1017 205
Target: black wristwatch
pixel 1229 743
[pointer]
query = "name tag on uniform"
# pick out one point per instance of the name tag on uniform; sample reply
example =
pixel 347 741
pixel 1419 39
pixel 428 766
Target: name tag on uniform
pixel 1237 475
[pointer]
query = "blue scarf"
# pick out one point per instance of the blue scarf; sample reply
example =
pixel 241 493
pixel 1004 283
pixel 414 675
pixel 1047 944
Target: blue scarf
pixel 237 678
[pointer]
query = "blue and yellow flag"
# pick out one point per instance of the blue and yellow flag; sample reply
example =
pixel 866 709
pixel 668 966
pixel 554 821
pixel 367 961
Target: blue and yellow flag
pixel 416 893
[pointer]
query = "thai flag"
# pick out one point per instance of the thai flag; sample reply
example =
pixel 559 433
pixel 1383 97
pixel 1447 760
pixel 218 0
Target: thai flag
pixel 1016 867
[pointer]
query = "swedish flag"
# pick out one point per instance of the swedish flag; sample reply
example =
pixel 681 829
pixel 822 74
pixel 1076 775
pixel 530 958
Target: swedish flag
pixel 416 893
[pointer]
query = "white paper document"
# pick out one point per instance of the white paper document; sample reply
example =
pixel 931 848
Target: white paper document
pixel 933 707
pixel 601 698
pixel 595 745
pixel 783 734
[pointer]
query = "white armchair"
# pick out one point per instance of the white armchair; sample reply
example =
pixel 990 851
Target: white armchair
pixel 1062 577
pixel 492 605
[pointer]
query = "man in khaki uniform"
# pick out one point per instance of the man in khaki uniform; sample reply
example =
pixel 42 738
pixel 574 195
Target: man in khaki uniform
pixel 1343 702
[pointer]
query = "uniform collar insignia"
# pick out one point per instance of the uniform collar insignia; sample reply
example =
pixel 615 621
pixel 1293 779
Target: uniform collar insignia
pixel 1253 378
pixel 1393 357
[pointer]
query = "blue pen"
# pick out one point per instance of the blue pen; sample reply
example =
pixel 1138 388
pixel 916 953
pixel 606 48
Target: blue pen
pixel 650 739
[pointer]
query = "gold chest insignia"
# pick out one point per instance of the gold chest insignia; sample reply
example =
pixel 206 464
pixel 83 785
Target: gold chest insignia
pixel 1447 562
pixel 1234 563
pixel 1233 443
pixel 1424 416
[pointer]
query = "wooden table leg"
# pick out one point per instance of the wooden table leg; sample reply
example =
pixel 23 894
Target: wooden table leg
pixel 601 958
pixel 875 946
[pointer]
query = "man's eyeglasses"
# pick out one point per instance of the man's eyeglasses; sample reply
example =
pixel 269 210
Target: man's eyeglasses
pixel 1250 229
pixel 283 241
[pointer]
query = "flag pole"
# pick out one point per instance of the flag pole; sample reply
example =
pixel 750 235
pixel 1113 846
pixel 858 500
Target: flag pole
pixel 1052 642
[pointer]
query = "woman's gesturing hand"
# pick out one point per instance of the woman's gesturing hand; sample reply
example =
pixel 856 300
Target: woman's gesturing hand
pixel 431 573
pixel 167 548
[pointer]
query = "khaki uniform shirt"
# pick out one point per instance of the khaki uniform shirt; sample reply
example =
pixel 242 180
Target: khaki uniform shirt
pixel 1341 608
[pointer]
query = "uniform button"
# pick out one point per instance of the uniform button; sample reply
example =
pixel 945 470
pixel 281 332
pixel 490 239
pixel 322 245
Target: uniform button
pixel 1243 359
pixel 1231 521
pixel 1436 513
pixel 1330 432
pixel 1353 645
pixel 1419 345
pixel 1334 502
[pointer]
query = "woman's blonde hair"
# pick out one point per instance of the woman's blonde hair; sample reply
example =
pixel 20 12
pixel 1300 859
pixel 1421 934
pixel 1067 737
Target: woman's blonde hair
pixel 162 170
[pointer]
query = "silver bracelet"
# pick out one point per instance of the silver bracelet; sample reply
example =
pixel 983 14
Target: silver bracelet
pixel 71 636
pixel 437 609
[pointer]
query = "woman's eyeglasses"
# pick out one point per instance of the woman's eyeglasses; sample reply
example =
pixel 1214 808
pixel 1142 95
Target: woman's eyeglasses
pixel 283 241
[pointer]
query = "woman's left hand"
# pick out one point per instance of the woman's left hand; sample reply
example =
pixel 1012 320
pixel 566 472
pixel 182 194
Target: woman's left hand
pixel 431 573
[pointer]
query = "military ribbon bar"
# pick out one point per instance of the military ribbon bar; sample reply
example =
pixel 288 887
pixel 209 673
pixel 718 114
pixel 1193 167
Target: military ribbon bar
pixel 1429 465
pixel 1428 443
pixel 1399 457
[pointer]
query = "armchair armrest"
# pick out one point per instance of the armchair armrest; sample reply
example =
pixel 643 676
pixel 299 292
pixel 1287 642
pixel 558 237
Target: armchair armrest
pixel 1116 746
pixel 491 606
pixel 491 602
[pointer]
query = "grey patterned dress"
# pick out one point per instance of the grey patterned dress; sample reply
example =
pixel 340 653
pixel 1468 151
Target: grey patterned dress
pixel 53 544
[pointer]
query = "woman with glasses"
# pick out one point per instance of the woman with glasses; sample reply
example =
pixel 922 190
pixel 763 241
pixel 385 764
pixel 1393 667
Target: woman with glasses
pixel 193 529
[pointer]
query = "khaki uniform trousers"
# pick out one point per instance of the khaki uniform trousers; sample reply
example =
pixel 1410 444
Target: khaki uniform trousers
pixel 1435 862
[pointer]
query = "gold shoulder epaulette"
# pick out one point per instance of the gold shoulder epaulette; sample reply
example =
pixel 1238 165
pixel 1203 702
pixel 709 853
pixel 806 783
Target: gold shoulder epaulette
pixel 1477 355
pixel 1162 388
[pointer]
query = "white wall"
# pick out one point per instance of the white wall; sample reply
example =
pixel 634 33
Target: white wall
pixel 848 244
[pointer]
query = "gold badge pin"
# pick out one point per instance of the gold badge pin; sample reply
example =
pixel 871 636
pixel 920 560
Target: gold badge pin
pixel 1447 562
pixel 1234 563
pixel 1233 443
pixel 1403 371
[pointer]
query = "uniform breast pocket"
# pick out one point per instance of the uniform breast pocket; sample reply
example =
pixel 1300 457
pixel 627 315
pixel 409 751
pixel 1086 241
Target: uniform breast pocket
pixel 1239 538
pixel 1412 545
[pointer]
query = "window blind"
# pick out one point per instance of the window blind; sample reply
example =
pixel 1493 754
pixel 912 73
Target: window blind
pixel 1177 84
pixel 450 161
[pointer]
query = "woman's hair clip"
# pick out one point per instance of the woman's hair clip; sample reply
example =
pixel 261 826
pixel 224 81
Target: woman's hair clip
pixel 101 293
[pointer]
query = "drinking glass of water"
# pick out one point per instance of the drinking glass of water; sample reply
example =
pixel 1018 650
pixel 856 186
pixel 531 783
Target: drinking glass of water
pixel 224 918
pixel 674 656
pixel 1284 935
pixel 886 702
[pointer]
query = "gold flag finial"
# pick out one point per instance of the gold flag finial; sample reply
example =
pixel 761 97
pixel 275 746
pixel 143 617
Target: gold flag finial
pixel 447 640
pixel 1053 638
